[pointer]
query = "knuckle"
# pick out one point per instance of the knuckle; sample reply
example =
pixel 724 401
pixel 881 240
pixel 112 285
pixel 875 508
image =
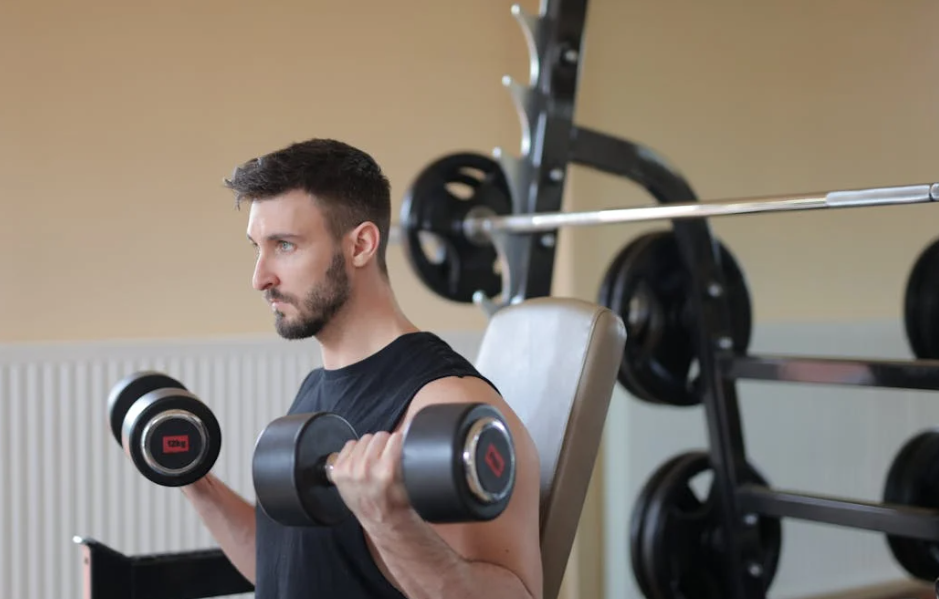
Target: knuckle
pixel 385 474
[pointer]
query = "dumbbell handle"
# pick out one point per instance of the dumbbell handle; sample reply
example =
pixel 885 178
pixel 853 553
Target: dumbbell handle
pixel 328 466
pixel 471 468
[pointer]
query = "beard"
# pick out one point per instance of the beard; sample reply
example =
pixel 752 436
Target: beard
pixel 319 307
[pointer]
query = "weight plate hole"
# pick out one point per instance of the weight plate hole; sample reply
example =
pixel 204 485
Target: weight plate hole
pixel 432 246
pixel 700 485
pixel 476 173
pixel 694 371
pixel 460 190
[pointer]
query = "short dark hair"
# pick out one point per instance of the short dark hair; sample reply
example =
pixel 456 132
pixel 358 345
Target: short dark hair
pixel 346 181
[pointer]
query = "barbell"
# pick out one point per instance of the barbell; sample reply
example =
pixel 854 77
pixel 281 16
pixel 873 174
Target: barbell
pixel 468 225
pixel 475 226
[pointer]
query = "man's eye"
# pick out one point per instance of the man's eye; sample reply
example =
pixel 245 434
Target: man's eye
pixel 285 246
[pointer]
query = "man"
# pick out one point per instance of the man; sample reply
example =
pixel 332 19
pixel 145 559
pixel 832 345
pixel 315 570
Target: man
pixel 320 213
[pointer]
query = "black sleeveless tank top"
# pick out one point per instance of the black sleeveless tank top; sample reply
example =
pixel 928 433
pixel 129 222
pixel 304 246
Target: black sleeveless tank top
pixel 372 394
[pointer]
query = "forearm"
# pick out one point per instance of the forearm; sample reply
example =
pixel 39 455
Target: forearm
pixel 230 520
pixel 426 567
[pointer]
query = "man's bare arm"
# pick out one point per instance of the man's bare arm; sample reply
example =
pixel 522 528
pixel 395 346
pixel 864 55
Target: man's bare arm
pixel 229 518
pixel 487 560
pixel 423 566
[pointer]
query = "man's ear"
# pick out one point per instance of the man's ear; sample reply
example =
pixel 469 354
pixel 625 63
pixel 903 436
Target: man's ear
pixel 365 241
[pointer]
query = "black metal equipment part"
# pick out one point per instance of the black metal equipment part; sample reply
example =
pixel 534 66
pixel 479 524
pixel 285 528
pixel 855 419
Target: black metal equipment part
pixel 679 541
pixel 109 574
pixel 550 142
pixel 913 480
pixel 464 267
pixel 921 304
pixel 647 287
pixel 906 512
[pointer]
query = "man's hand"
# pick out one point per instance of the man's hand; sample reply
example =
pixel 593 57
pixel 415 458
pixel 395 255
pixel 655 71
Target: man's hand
pixel 367 474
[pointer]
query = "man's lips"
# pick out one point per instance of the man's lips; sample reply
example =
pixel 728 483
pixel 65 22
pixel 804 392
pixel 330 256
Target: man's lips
pixel 277 302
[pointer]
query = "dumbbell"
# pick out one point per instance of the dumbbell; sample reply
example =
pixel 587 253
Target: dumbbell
pixel 458 465
pixel 169 434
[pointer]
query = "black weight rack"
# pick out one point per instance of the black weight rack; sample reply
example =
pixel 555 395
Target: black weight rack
pixel 552 143
pixel 558 43
pixel 109 574
pixel 556 40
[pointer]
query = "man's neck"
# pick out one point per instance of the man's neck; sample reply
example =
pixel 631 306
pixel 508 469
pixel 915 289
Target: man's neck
pixel 357 333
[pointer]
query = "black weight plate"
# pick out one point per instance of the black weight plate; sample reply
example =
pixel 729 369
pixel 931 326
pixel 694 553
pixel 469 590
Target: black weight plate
pixel 604 298
pixel 433 207
pixel 681 544
pixel 644 318
pixel 131 388
pixel 288 469
pixel 908 484
pixel 913 480
pixel 921 304
pixel 650 290
pixel 171 437
pixel 636 521
pixel 606 283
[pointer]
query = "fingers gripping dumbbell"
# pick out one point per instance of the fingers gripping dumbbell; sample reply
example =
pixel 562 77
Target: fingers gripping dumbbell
pixel 169 434
pixel 458 465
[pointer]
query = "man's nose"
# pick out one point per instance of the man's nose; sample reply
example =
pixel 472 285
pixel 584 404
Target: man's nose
pixel 263 276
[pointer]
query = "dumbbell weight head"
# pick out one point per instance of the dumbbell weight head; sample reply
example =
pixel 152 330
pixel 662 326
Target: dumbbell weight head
pixel 131 388
pixel 458 463
pixel 171 437
pixel 289 471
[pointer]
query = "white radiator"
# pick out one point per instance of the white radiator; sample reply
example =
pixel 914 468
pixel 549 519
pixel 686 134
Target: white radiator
pixel 62 474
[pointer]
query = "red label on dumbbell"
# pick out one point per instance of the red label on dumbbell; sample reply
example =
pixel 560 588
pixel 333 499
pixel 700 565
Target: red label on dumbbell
pixel 495 451
pixel 176 444
pixel 494 460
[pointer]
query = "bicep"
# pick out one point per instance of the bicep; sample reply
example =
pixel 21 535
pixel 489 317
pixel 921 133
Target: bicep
pixel 512 539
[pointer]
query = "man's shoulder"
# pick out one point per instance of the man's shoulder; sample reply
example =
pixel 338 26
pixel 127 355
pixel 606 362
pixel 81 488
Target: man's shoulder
pixel 427 359
pixel 455 389
pixel 434 346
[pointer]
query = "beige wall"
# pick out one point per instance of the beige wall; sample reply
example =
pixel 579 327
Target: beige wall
pixel 119 120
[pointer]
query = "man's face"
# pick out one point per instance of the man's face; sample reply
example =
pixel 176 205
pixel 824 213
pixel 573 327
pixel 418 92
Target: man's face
pixel 300 268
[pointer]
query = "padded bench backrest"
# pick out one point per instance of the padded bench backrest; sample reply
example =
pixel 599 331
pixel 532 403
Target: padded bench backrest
pixel 555 362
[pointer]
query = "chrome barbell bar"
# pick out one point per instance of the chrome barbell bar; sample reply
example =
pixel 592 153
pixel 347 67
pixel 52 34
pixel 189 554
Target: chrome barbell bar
pixel 483 226
pixel 531 223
